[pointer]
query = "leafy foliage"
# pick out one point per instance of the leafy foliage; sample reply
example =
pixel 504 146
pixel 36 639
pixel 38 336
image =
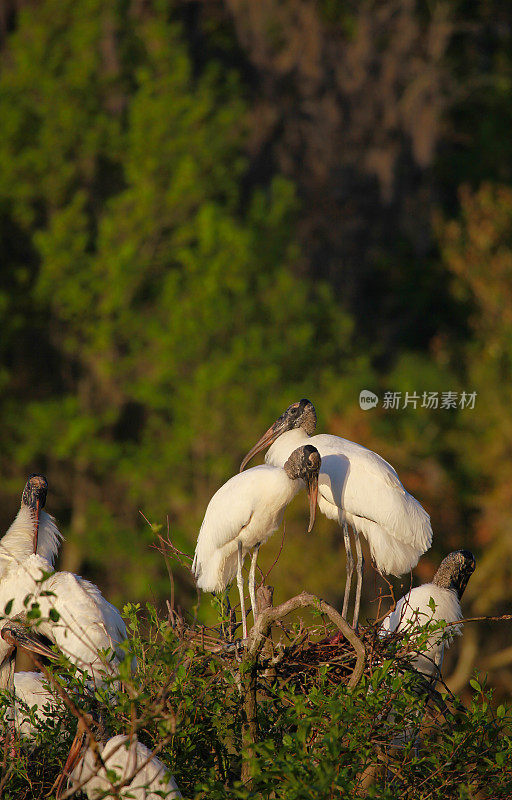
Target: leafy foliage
pixel 316 738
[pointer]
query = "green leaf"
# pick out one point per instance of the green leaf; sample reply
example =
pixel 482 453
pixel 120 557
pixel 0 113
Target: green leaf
pixel 34 612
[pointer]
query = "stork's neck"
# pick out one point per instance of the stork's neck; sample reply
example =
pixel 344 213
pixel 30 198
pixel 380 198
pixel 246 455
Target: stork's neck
pixel 284 446
pixel 18 542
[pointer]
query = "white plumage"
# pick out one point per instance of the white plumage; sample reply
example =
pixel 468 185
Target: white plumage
pixel 414 610
pixel 31 694
pixel 356 487
pixel 244 513
pixel 247 508
pixel 17 544
pixel 126 758
pixel 87 622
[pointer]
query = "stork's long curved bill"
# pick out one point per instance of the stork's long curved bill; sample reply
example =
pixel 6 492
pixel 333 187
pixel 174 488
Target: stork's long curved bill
pixel 18 636
pixel 313 494
pixel 36 532
pixel 71 762
pixel 266 440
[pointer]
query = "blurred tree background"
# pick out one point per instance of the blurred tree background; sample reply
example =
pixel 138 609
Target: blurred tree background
pixel 211 209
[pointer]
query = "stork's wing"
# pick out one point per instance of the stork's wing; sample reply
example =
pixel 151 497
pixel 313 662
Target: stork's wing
pixel 87 622
pixel 365 486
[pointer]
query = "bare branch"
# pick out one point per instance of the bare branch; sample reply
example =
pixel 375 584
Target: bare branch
pixel 269 616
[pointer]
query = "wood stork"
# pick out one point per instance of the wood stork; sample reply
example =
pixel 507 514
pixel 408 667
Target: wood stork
pixel 33 530
pixel 145 775
pixel 28 688
pixel 355 487
pixel 14 634
pixel 243 514
pixel 74 613
pixel 415 609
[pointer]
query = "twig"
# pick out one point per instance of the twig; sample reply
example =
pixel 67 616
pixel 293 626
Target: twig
pixel 269 616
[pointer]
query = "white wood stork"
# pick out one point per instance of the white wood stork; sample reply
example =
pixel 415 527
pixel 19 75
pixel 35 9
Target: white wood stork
pixel 146 776
pixel 355 487
pixel 74 613
pixel 243 514
pixel 33 530
pixel 14 634
pixel 414 610
pixel 27 688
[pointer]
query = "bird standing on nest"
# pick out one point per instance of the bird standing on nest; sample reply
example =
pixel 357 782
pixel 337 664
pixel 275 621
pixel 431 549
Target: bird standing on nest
pixel 243 514
pixel 356 487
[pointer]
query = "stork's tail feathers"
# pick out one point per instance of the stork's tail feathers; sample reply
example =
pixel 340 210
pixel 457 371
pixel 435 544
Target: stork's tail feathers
pixel 397 547
pixel 213 570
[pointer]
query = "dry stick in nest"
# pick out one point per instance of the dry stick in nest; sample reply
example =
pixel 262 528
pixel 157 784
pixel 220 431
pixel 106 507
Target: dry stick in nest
pixel 255 642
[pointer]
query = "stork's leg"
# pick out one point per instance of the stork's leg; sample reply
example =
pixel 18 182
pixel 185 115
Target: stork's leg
pixel 360 565
pixel 226 614
pixel 252 582
pixel 240 584
pixel 350 569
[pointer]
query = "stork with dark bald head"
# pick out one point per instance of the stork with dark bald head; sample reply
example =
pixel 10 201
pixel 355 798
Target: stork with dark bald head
pixel 438 600
pixel 243 514
pixel 356 487
pixel 74 614
pixel 33 530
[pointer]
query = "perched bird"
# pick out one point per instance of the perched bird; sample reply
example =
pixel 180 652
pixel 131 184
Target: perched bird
pixel 73 613
pixel 145 775
pixel 33 530
pixel 355 487
pixel 416 609
pixel 28 688
pixel 243 514
pixel 14 634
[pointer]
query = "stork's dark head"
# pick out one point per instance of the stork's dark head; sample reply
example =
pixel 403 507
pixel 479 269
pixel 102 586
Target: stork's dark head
pixel 299 415
pixel 17 634
pixel 304 463
pixel 34 498
pixel 35 491
pixel 455 571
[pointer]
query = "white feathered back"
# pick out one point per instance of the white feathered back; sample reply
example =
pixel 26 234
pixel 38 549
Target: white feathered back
pixel 87 622
pixel 413 610
pixel 250 505
pixel 126 757
pixel 356 485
